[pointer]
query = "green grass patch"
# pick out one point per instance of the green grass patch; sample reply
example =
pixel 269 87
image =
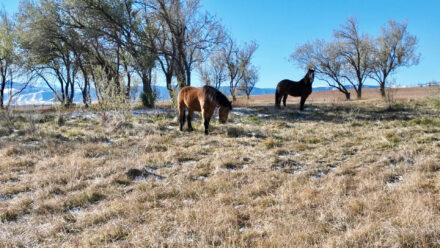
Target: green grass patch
pixel 84 198
pixel 253 120
pixel 426 122
pixel 270 143
pixel 72 133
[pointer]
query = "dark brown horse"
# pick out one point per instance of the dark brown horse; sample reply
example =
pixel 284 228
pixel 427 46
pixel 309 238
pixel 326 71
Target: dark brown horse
pixel 303 88
pixel 205 99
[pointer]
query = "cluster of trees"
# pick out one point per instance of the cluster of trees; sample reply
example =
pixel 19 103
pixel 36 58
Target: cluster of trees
pixel 109 45
pixel 350 58
pixel 231 65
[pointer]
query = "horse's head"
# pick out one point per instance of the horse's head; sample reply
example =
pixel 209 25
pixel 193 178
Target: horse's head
pixel 223 112
pixel 310 75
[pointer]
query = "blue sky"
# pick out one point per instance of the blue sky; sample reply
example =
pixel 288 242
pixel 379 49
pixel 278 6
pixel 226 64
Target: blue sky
pixel 280 26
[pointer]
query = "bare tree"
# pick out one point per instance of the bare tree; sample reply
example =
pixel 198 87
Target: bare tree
pixel 7 52
pixel 71 43
pixel 163 45
pixel 119 36
pixel 193 34
pixel 213 72
pixel 325 59
pixel 232 60
pixel 237 59
pixel 27 76
pixel 395 48
pixel 48 47
pixel 250 78
pixel 12 63
pixel 357 51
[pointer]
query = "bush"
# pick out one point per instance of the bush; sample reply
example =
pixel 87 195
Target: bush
pixel 148 98
pixel 234 132
pixel 390 94
pixel 4 132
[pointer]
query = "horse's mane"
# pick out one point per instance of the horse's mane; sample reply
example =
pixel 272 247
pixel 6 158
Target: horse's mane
pixel 306 78
pixel 216 97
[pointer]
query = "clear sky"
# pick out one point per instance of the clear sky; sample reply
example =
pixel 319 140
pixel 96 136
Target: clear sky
pixel 278 26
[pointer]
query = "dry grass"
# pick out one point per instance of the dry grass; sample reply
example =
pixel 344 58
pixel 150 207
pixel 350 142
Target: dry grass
pixel 340 174
pixel 400 94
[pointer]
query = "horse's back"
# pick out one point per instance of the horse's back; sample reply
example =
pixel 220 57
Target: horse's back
pixel 284 83
pixel 188 97
pixel 289 87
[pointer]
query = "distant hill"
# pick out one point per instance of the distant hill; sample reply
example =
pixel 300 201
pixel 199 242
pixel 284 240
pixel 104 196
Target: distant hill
pixel 36 94
pixel 163 92
pixel 42 94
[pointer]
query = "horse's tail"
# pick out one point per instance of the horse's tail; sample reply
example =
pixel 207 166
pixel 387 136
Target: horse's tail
pixel 277 98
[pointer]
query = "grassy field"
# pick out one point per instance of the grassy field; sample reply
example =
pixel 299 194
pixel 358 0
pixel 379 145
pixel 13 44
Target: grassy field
pixel 340 174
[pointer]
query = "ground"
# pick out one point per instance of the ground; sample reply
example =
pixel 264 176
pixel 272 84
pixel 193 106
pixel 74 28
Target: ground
pixel 361 173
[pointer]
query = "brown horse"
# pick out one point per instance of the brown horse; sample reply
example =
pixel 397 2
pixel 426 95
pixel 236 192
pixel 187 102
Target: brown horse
pixel 303 88
pixel 205 99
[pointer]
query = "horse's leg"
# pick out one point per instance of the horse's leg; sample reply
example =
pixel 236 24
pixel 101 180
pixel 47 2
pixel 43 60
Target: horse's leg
pixel 190 114
pixel 206 115
pixel 181 117
pixel 277 99
pixel 303 100
pixel 284 100
pixel 206 123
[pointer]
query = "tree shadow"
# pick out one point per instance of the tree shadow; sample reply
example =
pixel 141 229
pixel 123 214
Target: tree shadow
pixel 333 113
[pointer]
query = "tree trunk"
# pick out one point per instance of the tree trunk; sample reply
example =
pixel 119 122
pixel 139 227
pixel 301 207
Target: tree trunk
pixel 66 94
pixel 232 91
pixel 147 96
pixel 2 91
pixel 127 93
pixel 181 80
pixel 359 91
pixel 1 98
pixel 169 79
pixel 86 91
pixel 343 90
pixel 89 94
pixel 85 94
pixel 118 63
pixel 188 77
pixel 234 98
pixel 97 92
pixel 72 92
pixel 63 92
pixel 382 83
pixel 382 89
